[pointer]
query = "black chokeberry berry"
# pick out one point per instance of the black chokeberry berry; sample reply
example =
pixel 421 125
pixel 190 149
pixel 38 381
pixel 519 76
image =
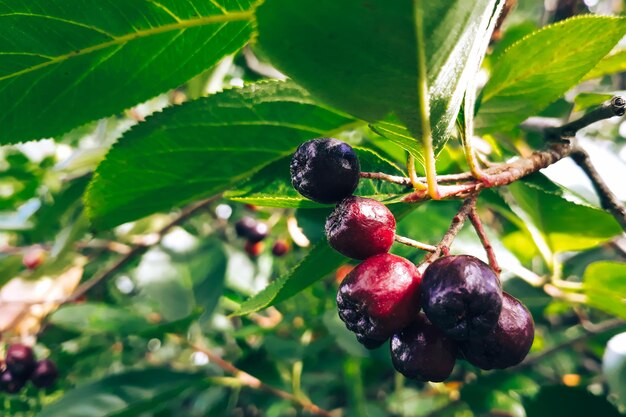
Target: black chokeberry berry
pixel 462 296
pixel 325 170
pixel 244 226
pixel 10 383
pixel 45 374
pixel 508 343
pixel 421 351
pixel 20 360
pixel 259 232
pixel 379 297
pixel 360 227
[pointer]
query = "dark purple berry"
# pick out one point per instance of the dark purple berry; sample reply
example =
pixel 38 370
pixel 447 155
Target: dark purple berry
pixel 325 170
pixel 508 343
pixel 360 228
pixel 280 248
pixel 379 297
pixel 421 351
pixel 45 374
pixel 259 232
pixel 20 360
pixel 10 383
pixel 244 226
pixel 462 296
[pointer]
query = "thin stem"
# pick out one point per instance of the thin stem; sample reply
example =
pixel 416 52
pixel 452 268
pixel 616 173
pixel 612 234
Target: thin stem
pixel 482 235
pixel 138 249
pixel 414 180
pixel 414 243
pixel 455 227
pixel 406 181
pixel 470 155
pixel 424 103
pixel 608 200
pixel 251 381
pixel 616 106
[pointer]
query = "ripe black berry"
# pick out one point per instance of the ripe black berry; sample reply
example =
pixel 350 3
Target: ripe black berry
pixel 462 296
pixel 20 360
pixel 421 351
pixel 45 374
pixel 259 232
pixel 379 297
pixel 325 170
pixel 280 248
pixel 360 227
pixel 244 226
pixel 508 343
pixel 10 383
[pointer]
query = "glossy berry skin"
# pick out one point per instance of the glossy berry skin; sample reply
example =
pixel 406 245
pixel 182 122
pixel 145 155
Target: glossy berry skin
pixel 280 248
pixel 244 226
pixel 421 351
pixel 259 232
pixel 462 296
pixel 45 374
pixel 379 297
pixel 360 228
pixel 325 170
pixel 508 343
pixel 20 360
pixel 10 383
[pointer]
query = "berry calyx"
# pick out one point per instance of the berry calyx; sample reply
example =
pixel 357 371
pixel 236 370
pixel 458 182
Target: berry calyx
pixel 360 228
pixel 280 248
pixel 379 297
pixel 244 226
pixel 462 296
pixel 20 360
pixel 325 170
pixel 508 343
pixel 45 374
pixel 421 351
pixel 10 383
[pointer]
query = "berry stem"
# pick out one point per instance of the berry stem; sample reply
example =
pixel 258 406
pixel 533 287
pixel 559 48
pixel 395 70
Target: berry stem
pixel 414 243
pixel 413 178
pixel 482 235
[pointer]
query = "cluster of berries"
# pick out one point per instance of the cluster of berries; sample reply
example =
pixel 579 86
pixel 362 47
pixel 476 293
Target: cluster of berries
pixel 466 313
pixel 20 366
pixel 255 232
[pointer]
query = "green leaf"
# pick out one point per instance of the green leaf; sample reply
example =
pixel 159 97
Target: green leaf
pixel 558 215
pixel 124 395
pixel 202 148
pixel 540 68
pixel 362 56
pixel 95 318
pixel 605 286
pixel 610 64
pixel 66 62
pixel 271 187
pixel 560 401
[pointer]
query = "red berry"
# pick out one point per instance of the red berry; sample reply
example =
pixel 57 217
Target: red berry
pixel 280 248
pixel 254 249
pixel 462 296
pixel 20 360
pixel 421 351
pixel 45 374
pixel 508 343
pixel 34 257
pixel 379 297
pixel 360 227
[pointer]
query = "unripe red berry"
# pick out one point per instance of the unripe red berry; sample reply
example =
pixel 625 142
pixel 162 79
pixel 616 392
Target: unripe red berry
pixel 421 351
pixel 508 343
pixel 360 228
pixel 280 248
pixel 325 170
pixel 20 360
pixel 45 374
pixel 254 249
pixel 34 257
pixel 379 297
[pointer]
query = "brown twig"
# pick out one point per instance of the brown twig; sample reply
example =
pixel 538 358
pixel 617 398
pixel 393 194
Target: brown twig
pixel 482 235
pixel 455 227
pixel 253 382
pixel 138 249
pixel 415 244
pixel 608 200
pixel 396 179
